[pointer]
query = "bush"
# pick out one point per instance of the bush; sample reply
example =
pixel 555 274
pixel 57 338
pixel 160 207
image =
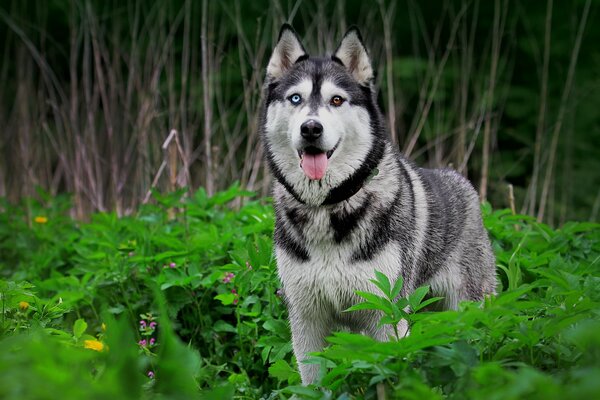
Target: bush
pixel 149 306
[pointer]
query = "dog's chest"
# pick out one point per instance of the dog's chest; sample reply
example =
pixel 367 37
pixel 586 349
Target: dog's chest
pixel 328 279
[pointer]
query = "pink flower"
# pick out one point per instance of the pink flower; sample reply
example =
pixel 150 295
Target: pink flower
pixel 151 374
pixel 228 277
pixel 152 325
pixel 172 265
pixel 152 341
pixel 142 342
pixel 236 298
pixel 142 323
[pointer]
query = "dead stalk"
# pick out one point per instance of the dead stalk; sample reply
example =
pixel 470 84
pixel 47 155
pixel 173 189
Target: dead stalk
pixel 497 32
pixel 412 141
pixel 541 121
pixel 206 90
pixel 387 16
pixel 561 113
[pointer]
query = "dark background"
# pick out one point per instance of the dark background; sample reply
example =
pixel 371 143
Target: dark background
pixel 507 92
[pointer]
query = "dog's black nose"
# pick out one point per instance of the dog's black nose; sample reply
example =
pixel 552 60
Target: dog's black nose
pixel 311 130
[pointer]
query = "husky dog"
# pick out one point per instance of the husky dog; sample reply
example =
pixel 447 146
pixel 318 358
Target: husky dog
pixel 348 204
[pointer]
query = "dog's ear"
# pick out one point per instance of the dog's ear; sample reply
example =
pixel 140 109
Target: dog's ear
pixel 353 55
pixel 287 52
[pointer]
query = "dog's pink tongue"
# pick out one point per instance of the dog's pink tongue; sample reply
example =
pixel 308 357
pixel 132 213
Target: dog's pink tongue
pixel 314 165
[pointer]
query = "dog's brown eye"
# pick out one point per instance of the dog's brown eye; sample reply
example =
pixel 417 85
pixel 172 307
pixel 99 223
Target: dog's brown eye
pixel 337 101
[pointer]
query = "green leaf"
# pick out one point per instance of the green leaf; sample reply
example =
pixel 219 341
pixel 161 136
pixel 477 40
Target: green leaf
pixel 277 326
pixel 426 303
pixel 401 303
pixel 264 354
pixel 397 287
pixel 307 392
pixel 222 326
pixel 383 283
pixel 79 328
pixel 415 298
pixel 226 298
pixel 362 306
pixel 282 371
pixel 382 303
pixel 281 352
pixel 387 320
pixel 222 392
pixel 116 309
pixel 373 298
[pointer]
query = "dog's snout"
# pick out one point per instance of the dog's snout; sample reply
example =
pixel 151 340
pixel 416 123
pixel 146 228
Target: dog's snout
pixel 311 130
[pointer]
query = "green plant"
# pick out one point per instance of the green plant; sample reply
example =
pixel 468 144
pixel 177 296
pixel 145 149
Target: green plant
pixel 393 307
pixel 205 284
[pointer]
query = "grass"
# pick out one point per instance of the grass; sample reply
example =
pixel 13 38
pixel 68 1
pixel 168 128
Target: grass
pixel 73 296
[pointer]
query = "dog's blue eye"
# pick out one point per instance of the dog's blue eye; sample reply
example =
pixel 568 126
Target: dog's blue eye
pixel 295 99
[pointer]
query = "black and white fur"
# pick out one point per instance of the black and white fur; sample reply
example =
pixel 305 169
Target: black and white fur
pixel 372 210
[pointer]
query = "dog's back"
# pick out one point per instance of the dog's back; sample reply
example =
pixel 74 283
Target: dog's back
pixel 458 261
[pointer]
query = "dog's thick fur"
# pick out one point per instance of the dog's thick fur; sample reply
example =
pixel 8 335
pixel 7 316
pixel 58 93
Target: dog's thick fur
pixel 371 210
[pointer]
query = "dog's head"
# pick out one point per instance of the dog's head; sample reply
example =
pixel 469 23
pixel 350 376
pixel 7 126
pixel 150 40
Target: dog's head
pixel 321 124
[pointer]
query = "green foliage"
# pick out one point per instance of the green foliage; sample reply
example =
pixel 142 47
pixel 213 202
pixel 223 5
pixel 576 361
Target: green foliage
pixel 146 306
pixel 393 307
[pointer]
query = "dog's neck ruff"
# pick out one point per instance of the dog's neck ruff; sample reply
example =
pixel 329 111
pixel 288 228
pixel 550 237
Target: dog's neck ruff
pixel 351 185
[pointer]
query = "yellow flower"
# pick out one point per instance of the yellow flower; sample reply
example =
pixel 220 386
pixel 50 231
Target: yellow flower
pixel 41 220
pixel 23 305
pixel 94 345
pixel 103 327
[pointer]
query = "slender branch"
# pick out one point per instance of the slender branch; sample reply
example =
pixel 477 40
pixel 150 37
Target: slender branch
pixel 561 112
pixel 541 121
pixel 495 58
pixel 206 84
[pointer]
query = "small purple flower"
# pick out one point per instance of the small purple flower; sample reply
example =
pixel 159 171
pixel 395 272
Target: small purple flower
pixel 228 277
pixel 172 265
pixel 152 341
pixel 235 293
pixel 151 374
pixel 142 323
pixel 152 325
pixel 142 342
pixel 279 292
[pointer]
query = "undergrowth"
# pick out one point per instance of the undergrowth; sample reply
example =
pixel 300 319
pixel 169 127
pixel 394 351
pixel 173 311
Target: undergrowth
pixel 156 306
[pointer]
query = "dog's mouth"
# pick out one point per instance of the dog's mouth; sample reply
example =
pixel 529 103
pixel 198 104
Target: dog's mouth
pixel 311 150
pixel 313 161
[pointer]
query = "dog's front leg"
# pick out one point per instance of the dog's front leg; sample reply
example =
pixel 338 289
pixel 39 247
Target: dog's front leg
pixel 308 335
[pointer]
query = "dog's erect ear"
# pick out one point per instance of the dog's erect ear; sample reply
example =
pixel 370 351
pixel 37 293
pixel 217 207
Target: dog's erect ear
pixel 287 51
pixel 353 55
